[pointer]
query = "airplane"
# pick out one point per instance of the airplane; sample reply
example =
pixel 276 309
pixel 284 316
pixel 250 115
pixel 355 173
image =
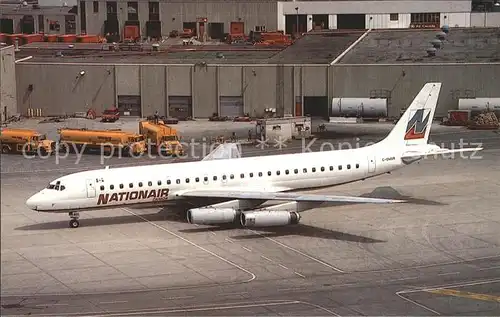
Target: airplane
pixel 225 188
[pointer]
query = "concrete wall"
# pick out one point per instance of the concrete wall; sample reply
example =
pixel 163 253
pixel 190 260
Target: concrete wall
pixel 58 89
pixel 174 13
pixel 8 97
pixel 359 80
pixel 489 19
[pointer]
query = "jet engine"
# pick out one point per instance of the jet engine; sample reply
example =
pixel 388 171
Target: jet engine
pixel 209 216
pixel 269 218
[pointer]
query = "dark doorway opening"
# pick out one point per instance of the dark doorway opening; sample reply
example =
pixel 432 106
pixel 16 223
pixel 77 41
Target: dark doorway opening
pixel 7 26
pixel 291 23
pixel 28 24
pixel 153 29
pixel 216 31
pixel 112 30
pixel 129 106
pixel 180 107
pixel 351 21
pixel 191 26
pixel 70 24
pixel 320 22
pixel 316 107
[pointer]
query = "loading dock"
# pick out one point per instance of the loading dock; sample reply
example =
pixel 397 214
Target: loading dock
pixel 129 106
pixel 316 106
pixel 231 106
pixel 351 21
pixel 180 107
pixel 320 22
pixel 7 26
pixel 216 30
pixel 291 23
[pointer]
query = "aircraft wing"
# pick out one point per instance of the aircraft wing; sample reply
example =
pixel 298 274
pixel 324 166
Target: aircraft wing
pixel 250 194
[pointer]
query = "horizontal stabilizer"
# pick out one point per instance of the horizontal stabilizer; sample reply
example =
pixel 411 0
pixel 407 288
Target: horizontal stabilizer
pixel 231 194
pixel 434 152
pixel 224 151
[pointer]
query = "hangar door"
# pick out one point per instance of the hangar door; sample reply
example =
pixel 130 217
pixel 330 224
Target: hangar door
pixel 231 107
pixel 316 106
pixel 351 21
pixel 180 107
pixel 129 105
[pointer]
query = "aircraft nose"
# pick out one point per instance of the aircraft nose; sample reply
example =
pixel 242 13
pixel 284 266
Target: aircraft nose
pixel 33 201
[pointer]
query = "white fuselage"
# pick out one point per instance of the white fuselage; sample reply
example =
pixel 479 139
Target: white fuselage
pixel 153 184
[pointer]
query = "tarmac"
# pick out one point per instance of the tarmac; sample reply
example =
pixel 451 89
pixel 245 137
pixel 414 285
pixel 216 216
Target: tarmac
pixel 439 254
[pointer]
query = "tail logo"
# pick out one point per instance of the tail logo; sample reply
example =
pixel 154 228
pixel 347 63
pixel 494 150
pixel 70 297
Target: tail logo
pixel 417 125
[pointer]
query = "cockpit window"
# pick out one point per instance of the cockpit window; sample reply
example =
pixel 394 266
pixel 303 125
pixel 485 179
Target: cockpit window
pixel 57 186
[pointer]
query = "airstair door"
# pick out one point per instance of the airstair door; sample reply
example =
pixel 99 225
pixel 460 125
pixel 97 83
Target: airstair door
pixel 91 188
pixel 371 164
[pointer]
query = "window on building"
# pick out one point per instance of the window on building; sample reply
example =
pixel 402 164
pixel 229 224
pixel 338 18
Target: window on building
pixel 394 17
pixel 425 17
pixel 154 11
pixel 133 11
pixel 95 5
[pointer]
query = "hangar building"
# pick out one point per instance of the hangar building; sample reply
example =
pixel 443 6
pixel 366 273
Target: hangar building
pixel 301 79
pixel 157 18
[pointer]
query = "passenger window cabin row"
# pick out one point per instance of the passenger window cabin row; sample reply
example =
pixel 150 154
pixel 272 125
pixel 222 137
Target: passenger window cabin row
pixel 231 176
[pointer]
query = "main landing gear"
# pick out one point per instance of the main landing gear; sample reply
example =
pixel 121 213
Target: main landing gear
pixel 74 223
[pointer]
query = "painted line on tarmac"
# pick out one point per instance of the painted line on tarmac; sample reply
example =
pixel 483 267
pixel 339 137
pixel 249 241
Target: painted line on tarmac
pixel 463 294
pixel 253 276
pixel 212 307
pixel 298 251
pixel 443 287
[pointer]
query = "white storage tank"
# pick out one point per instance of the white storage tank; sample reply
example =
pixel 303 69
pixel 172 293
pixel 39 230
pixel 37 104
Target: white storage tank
pixel 477 105
pixel 360 107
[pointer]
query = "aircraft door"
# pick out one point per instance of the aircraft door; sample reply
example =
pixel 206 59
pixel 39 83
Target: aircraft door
pixel 371 164
pixel 91 188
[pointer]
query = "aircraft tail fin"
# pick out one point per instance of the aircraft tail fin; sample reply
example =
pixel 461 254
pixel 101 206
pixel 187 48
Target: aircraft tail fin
pixel 414 126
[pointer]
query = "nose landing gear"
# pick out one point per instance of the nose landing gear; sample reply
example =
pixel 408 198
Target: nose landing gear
pixel 74 223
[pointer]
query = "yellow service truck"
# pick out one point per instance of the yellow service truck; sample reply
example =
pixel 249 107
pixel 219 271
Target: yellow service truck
pixel 163 137
pixel 25 141
pixel 109 141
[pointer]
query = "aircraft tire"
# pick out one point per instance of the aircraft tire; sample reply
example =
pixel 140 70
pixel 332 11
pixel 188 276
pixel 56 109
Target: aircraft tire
pixel 73 223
